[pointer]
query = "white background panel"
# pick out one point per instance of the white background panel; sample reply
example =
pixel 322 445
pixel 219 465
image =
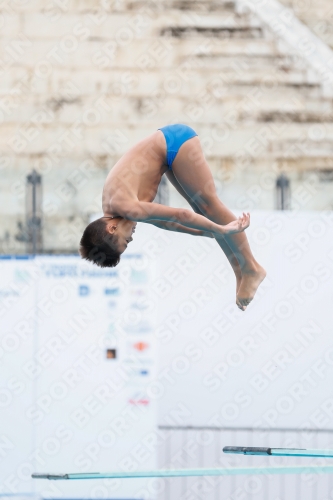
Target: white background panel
pixel 269 366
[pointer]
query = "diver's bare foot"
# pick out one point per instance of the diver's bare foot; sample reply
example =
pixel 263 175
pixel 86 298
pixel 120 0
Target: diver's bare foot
pixel 238 281
pixel 250 282
pixel 238 284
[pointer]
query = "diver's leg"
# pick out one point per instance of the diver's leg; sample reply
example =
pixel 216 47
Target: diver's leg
pixel 194 176
pixel 221 241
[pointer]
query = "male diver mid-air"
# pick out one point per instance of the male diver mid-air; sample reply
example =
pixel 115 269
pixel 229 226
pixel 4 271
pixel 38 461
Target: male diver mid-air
pixel 131 187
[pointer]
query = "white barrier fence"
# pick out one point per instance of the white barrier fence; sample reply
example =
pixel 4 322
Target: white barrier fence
pixel 183 447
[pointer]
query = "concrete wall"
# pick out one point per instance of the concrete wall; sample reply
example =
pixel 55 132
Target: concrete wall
pixel 81 81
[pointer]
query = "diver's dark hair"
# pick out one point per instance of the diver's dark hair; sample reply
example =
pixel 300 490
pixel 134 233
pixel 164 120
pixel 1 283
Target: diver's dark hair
pixel 98 246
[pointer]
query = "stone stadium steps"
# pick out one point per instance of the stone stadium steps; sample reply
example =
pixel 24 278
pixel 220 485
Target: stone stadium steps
pixel 317 15
pixel 191 48
pixel 248 105
pixel 236 80
pixel 178 23
pixel 92 7
pixel 181 5
pixel 197 69
pixel 254 103
pixel 140 53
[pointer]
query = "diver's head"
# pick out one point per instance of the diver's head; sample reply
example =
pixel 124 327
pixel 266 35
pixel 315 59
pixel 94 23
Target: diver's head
pixel 104 240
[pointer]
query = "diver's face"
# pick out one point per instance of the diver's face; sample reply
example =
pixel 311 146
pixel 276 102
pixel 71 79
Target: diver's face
pixel 124 232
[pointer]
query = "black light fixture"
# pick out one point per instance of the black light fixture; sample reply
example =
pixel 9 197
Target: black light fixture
pixel 283 196
pixel 34 213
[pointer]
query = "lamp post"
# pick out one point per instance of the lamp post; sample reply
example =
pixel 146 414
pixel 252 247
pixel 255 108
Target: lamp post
pixel 34 213
pixel 283 193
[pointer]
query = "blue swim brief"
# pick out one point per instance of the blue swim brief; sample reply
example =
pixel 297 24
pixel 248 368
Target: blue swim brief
pixel 175 136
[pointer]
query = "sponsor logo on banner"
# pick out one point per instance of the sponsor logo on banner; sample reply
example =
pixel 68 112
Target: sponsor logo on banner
pixel 139 351
pixel 143 373
pixel 138 376
pixel 140 306
pixel 139 400
pixel 60 270
pixel 134 360
pixel 84 290
pixel 111 353
pixel 63 270
pixel 137 371
pixel 112 291
pixel 140 328
pixel 141 346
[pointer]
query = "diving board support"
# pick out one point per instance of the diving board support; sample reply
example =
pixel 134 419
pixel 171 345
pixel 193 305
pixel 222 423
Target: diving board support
pixel 278 452
pixel 228 471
